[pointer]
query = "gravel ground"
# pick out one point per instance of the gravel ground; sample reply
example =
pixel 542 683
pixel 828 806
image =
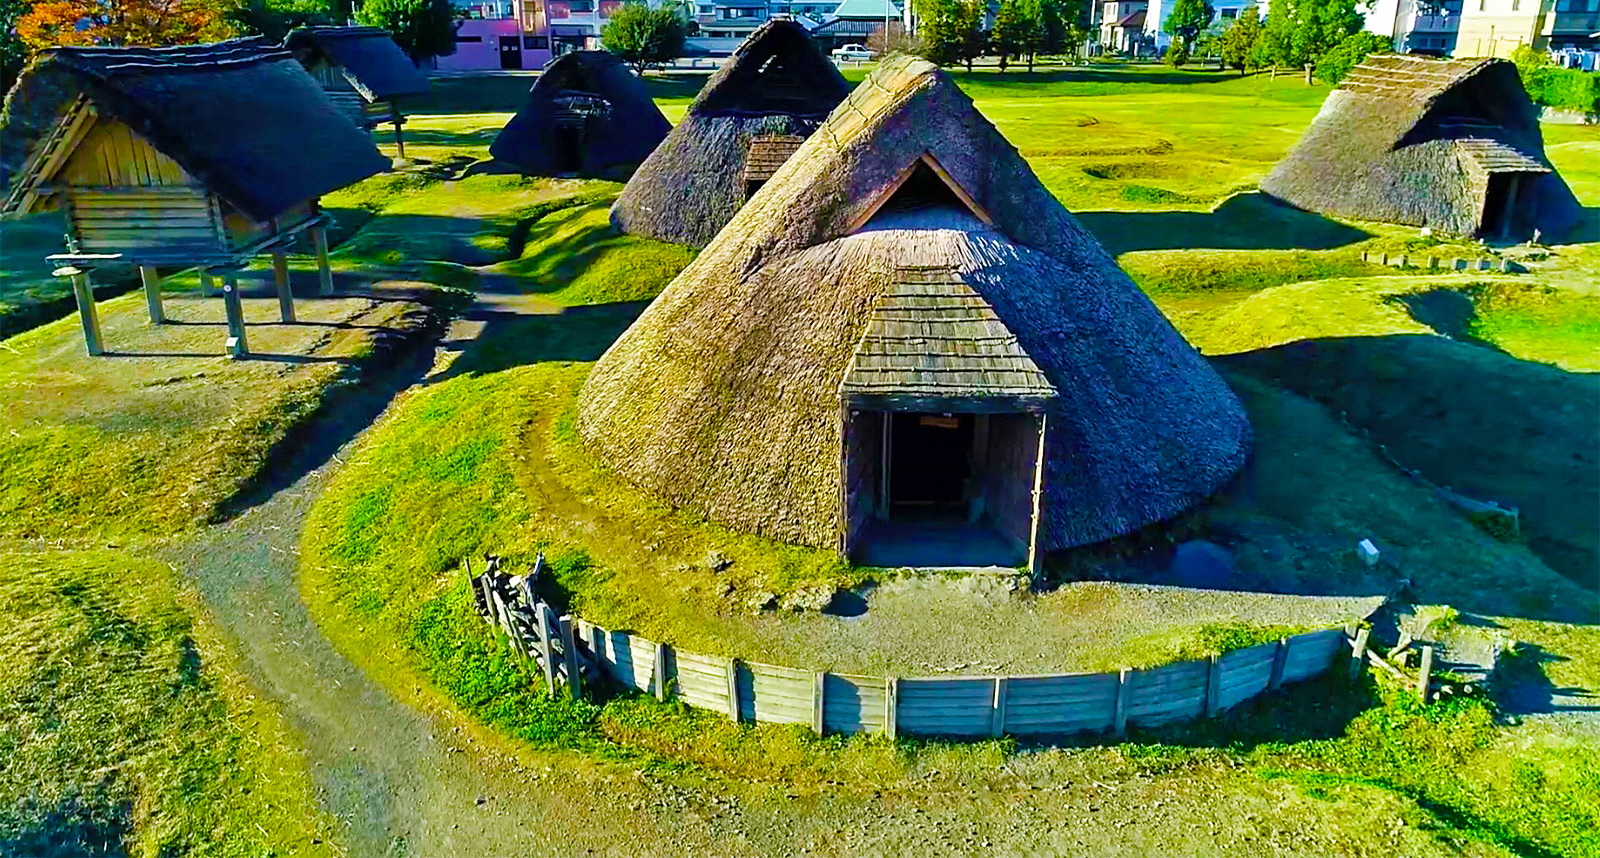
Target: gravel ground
pixel 408 777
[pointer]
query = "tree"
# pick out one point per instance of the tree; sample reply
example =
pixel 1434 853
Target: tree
pixel 1337 62
pixel 1055 26
pixel 1177 53
pixel 13 53
pixel 275 18
pixel 1299 32
pixel 939 31
pixel 424 29
pixel 1187 19
pixel 1239 43
pixel 1014 30
pixel 642 36
pixel 970 26
pixel 123 22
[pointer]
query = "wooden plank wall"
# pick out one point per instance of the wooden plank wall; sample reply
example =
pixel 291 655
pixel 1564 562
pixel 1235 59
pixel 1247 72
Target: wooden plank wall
pixel 112 154
pixel 963 707
pixel 110 220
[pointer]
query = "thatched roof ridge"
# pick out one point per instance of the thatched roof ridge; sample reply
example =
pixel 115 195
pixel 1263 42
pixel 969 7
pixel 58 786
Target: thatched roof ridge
pixel 367 56
pixel 241 116
pixel 631 129
pixel 777 84
pixel 1412 140
pixel 728 395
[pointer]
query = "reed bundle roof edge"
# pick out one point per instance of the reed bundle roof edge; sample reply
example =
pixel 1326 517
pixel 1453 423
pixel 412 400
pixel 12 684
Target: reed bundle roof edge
pixel 728 396
pixel 1415 141
pixel 777 83
pixel 632 126
pixel 242 116
pixel 368 57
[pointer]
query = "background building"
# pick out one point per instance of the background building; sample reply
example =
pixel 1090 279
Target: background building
pixel 1417 26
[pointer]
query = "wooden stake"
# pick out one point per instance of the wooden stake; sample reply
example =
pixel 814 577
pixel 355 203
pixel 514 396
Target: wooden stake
pixel 1279 658
pixel 152 294
pixel 319 240
pixel 733 689
pixel 659 670
pixel 569 651
pixel 1358 652
pixel 238 345
pixel 1214 687
pixel 83 292
pixel 819 711
pixel 1425 673
pixel 997 715
pixel 280 278
pixel 891 703
pixel 1119 711
pixel 399 141
pixel 541 614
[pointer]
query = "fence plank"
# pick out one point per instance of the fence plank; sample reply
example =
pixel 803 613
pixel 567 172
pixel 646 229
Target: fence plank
pixel 1358 652
pixel 940 707
pixel 853 704
pixel 542 616
pixel 569 652
pixel 1424 674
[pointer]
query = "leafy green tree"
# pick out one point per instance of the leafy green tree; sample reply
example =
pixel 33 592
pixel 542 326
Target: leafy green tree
pixel 1185 21
pixel 1056 18
pixel 1299 32
pixel 970 26
pixel 642 36
pixel 275 18
pixel 1240 43
pixel 1337 62
pixel 1177 53
pixel 13 52
pixel 424 29
pixel 939 29
pixel 1014 31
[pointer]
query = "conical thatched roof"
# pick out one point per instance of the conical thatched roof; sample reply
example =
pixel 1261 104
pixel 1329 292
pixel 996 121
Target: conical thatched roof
pixel 241 116
pixel 1416 141
pixel 836 288
pixel 367 57
pixel 588 90
pixel 774 90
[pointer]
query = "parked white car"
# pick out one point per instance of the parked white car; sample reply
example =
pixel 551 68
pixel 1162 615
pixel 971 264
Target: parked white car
pixel 851 54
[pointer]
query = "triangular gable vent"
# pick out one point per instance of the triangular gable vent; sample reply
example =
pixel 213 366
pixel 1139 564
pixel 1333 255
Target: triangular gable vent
pixel 922 184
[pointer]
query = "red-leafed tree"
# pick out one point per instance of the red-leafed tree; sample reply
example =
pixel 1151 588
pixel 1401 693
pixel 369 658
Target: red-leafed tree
pixel 125 22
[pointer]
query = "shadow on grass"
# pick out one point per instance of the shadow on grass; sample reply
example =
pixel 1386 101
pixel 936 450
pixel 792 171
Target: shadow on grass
pixel 1523 687
pixel 1249 221
pixel 80 826
pixel 1449 312
pixel 433 137
pixel 1117 77
pixel 510 340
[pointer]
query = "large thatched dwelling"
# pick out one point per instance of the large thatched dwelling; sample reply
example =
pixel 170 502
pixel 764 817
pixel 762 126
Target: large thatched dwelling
pixel 904 348
pixel 769 96
pixel 363 71
pixel 587 114
pixel 200 156
pixel 1449 144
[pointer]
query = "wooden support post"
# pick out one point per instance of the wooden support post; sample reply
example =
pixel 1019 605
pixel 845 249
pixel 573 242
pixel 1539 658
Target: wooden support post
pixel 1279 658
pixel 83 292
pixel 819 685
pixel 1358 652
pixel 399 140
pixel 1405 260
pixel 238 345
pixel 733 689
pixel 280 279
pixel 569 651
pixel 208 284
pixel 659 671
pixel 1424 673
pixel 1119 711
pixel 152 294
pixel 1214 687
pixel 541 616
pixel 997 714
pixel 319 241
pixel 891 703
pixel 1508 212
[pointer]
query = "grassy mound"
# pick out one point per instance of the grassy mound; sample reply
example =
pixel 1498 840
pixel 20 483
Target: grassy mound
pixel 156 436
pixel 573 256
pixel 125 729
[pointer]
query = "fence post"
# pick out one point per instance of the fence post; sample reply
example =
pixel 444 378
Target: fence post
pixel 1358 652
pixel 1214 686
pixel 1424 673
pixel 819 685
pixel 1278 660
pixel 541 615
pixel 569 649
pixel 891 702
pixel 733 689
pixel 1119 712
pixel 659 666
pixel 997 715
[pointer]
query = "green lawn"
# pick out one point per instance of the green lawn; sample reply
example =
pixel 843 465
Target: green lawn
pixel 126 727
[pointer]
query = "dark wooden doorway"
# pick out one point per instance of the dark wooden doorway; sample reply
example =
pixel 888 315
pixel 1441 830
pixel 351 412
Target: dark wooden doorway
pixel 511 52
pixel 930 461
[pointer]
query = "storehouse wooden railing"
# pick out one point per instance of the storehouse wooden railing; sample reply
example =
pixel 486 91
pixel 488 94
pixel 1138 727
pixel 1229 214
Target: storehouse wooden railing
pixel 569 651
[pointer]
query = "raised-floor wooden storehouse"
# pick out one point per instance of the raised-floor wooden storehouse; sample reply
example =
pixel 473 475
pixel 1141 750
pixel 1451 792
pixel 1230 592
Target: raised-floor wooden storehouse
pixel 362 70
pixel 903 348
pixel 1453 145
pixel 757 109
pixel 587 114
pixel 175 158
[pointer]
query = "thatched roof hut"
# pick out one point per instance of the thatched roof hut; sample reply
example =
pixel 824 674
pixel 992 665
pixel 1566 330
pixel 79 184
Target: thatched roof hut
pixel 587 114
pixel 1449 144
pixel 774 90
pixel 362 69
pixel 904 340
pixel 193 156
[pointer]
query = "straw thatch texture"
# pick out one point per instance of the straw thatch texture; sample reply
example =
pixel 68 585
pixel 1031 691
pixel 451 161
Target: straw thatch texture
pixel 241 116
pixel 366 56
pixel 1416 141
pixel 622 134
pixel 725 396
pixel 778 84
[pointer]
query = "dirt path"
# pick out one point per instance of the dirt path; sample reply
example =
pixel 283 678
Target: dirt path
pixel 407 778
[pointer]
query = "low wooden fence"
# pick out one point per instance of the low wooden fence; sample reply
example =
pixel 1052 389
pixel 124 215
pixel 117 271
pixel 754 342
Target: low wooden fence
pixel 564 647
pixel 1501 264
